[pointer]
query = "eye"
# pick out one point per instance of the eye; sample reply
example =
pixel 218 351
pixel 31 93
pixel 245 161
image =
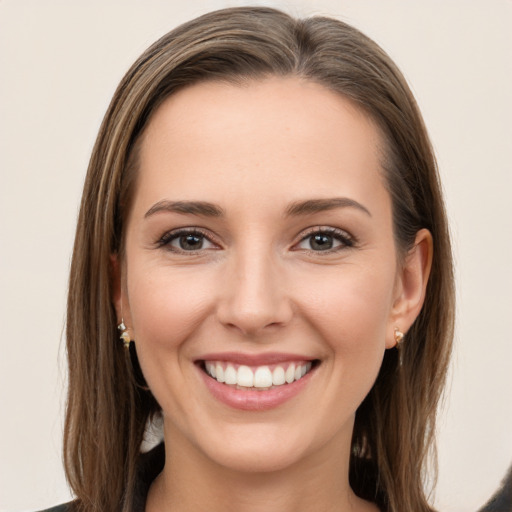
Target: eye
pixel 186 241
pixel 325 240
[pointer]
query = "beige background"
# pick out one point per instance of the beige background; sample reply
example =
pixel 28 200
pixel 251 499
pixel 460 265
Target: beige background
pixel 59 64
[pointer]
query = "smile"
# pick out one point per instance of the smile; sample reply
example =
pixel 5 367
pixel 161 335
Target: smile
pixel 256 382
pixel 261 378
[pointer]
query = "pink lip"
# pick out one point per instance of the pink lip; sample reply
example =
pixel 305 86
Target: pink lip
pixel 254 400
pixel 254 359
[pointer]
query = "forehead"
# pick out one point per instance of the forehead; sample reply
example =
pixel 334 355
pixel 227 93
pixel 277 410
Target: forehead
pixel 282 136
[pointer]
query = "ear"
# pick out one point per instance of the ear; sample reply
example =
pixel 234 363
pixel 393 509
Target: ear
pixel 411 285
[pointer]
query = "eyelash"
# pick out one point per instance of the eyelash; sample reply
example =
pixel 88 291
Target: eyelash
pixel 169 237
pixel 346 240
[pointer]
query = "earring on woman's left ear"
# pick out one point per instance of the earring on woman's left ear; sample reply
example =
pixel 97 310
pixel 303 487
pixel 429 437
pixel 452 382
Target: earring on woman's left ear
pixel 399 337
pixel 125 335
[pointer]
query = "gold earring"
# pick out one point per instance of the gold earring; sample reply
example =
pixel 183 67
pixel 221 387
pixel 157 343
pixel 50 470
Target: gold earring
pixel 125 335
pixel 399 337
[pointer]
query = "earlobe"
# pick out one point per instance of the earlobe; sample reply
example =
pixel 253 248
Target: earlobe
pixel 412 285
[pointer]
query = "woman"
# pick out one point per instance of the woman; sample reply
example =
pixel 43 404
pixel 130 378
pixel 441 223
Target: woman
pixel 263 221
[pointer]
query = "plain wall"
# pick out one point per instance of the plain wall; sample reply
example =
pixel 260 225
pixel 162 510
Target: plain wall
pixel 60 62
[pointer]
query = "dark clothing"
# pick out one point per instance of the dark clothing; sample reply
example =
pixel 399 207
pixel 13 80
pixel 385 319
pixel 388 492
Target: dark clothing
pixel 59 508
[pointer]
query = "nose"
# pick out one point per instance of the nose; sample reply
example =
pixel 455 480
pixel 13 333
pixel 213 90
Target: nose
pixel 254 296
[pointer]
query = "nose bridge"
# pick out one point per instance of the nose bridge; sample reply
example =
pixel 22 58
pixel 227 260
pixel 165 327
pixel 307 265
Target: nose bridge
pixel 255 295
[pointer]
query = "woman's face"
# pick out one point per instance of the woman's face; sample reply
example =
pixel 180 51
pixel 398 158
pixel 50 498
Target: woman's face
pixel 259 247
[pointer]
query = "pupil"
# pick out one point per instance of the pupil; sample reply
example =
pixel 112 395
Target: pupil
pixel 321 242
pixel 190 242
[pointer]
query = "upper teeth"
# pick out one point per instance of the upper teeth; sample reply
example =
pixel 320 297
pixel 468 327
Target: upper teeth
pixel 259 376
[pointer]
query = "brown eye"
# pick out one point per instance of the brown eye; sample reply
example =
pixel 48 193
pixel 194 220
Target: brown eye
pixel 190 242
pixel 325 240
pixel 186 241
pixel 321 242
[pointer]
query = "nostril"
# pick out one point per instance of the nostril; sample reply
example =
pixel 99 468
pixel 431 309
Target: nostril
pixel 250 321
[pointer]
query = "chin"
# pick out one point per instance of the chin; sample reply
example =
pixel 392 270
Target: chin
pixel 272 447
pixel 262 457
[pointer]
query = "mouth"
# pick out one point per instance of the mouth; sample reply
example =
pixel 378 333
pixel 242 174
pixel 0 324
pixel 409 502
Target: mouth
pixel 246 377
pixel 250 382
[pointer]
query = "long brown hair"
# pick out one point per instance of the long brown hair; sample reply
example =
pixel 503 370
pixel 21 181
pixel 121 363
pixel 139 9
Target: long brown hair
pixel 107 409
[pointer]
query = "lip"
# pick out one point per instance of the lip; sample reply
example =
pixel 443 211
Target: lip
pixel 254 359
pixel 254 400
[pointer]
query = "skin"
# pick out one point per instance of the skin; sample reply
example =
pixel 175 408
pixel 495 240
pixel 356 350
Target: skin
pixel 258 285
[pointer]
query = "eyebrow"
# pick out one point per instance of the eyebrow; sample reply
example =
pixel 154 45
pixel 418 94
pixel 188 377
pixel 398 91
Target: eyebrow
pixel 320 205
pixel 187 207
pixel 204 208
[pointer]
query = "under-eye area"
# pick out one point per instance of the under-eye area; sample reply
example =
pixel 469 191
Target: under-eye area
pixel 262 377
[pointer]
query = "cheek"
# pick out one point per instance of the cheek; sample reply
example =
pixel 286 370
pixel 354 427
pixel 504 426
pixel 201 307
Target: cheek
pixel 350 312
pixel 351 301
pixel 347 314
pixel 167 311
pixel 166 306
